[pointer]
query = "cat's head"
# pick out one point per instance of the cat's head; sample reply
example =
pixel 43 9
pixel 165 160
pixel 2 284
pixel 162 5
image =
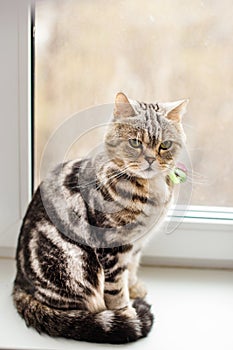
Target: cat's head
pixel 145 138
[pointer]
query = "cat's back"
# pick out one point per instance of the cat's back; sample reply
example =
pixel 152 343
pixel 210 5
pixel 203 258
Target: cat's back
pixel 57 203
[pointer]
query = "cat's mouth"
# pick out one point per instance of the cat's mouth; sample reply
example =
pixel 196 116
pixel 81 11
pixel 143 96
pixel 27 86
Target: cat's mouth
pixel 147 173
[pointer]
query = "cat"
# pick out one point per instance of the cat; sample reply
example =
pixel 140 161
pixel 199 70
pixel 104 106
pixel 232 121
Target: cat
pixel 80 242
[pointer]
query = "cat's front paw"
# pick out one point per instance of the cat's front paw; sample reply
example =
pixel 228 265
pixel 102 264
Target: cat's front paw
pixel 138 290
pixel 130 312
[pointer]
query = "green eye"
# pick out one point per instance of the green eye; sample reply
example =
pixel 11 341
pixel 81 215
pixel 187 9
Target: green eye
pixel 166 145
pixel 135 143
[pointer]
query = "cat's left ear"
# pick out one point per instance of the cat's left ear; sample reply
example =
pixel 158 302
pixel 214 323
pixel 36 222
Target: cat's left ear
pixel 123 107
pixel 176 110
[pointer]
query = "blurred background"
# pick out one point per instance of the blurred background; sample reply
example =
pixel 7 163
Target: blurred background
pixel 86 51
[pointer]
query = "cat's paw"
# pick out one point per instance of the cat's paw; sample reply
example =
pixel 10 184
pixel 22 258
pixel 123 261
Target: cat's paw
pixel 138 290
pixel 130 312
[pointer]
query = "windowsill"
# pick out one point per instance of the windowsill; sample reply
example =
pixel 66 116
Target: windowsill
pixel 193 310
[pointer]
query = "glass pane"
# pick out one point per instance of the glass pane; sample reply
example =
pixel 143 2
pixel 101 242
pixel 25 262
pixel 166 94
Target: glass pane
pixel 162 50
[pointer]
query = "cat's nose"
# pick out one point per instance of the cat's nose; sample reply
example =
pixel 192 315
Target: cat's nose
pixel 150 160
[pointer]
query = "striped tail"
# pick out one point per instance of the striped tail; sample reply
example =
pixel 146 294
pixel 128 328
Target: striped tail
pixel 108 326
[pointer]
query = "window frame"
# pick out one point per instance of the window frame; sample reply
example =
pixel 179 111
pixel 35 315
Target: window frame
pixel 204 238
pixel 22 145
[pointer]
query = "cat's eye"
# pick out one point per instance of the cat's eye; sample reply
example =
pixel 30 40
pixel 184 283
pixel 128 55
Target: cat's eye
pixel 135 143
pixel 166 145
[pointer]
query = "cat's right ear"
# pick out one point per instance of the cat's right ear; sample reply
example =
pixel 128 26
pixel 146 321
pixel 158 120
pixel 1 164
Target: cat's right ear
pixel 175 110
pixel 123 107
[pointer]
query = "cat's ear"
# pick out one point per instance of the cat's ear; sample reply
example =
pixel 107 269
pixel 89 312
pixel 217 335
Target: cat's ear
pixel 123 107
pixel 175 110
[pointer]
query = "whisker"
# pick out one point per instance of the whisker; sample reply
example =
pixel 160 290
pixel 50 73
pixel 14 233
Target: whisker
pixel 114 176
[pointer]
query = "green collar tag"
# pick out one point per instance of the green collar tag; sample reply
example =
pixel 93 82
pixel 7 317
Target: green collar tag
pixel 178 174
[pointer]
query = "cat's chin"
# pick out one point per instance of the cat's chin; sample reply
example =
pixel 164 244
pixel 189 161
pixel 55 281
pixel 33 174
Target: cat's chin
pixel 147 174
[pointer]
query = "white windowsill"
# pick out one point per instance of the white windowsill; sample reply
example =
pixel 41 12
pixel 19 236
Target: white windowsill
pixel 193 310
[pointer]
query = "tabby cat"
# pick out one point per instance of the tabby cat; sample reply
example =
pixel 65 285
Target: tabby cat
pixel 81 238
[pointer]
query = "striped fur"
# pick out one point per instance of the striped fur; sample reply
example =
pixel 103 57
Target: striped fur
pixel 81 238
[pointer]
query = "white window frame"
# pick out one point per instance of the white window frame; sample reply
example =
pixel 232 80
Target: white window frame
pixel 203 239
pixel 15 113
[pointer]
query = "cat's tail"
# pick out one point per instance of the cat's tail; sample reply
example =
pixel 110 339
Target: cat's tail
pixel 108 326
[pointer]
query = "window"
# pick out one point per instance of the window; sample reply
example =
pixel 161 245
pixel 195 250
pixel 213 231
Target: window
pixel 158 51
pixel 154 51
pixel 86 51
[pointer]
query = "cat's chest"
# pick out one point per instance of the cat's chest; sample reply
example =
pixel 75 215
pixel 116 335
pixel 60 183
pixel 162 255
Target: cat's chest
pixel 159 198
pixel 159 192
pixel 147 205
